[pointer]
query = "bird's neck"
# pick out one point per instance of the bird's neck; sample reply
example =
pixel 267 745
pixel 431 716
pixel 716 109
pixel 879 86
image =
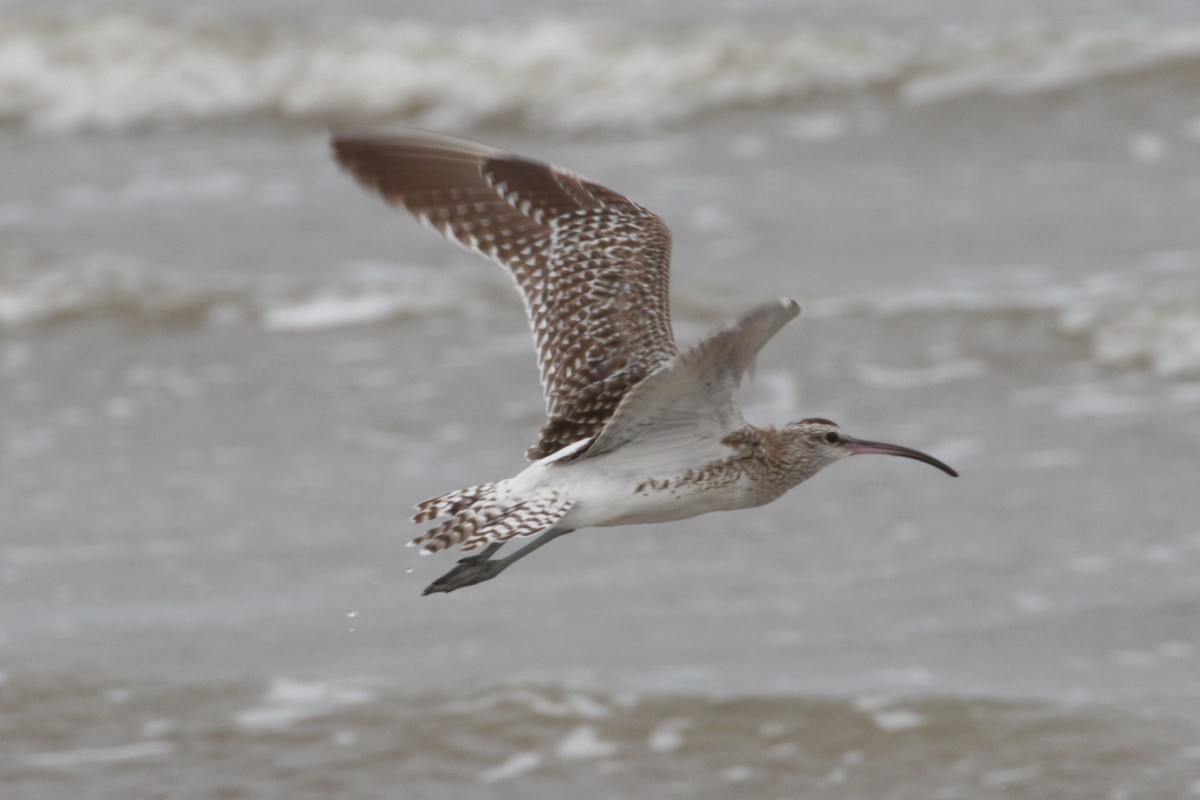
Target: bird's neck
pixel 765 457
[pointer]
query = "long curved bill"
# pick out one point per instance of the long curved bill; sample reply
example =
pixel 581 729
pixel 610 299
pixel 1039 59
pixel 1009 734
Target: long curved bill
pixel 861 447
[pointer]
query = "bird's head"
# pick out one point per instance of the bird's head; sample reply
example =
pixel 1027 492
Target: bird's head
pixel 816 443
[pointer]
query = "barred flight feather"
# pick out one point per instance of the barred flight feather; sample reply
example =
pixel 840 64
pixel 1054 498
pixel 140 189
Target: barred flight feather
pixel 592 266
pixel 486 522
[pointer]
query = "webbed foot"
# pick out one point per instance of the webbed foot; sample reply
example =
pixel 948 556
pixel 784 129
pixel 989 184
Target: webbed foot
pixel 468 572
pixel 482 567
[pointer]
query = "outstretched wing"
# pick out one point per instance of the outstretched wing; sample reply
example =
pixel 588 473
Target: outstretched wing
pixel 691 399
pixel 592 266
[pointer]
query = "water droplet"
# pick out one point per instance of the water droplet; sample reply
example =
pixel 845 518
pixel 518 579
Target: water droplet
pixel 408 571
pixel 351 614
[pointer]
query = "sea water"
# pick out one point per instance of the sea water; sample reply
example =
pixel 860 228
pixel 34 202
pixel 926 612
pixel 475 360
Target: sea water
pixel 226 374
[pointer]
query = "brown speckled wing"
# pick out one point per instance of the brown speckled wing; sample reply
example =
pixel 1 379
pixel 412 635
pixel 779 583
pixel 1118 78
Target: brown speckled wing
pixel 592 266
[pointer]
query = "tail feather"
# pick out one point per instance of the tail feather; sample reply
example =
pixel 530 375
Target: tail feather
pixel 447 505
pixel 486 520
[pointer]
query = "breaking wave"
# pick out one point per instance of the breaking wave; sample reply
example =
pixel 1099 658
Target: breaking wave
pixel 1160 332
pixel 112 70
pixel 547 740
pixel 44 290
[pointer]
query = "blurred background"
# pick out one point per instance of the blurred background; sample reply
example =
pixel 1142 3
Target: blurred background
pixel 226 374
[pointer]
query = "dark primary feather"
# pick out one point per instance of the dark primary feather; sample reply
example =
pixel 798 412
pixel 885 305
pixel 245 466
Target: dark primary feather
pixel 591 265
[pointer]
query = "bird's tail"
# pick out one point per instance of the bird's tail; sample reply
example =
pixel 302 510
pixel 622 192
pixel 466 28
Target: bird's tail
pixel 480 515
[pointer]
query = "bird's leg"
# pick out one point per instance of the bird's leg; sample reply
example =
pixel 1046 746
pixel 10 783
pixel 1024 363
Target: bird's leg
pixel 468 571
pixel 479 568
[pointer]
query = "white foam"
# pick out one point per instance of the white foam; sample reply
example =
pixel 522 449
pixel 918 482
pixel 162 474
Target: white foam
pixel 583 743
pixel 1008 777
pixel 667 737
pixel 112 69
pixel 895 720
pixel 290 701
pixel 515 766
pixel 366 293
pixel 1037 58
pixel 1148 148
pixel 570 705
pixel 33 290
pixel 36 289
pixel 737 774
pixel 326 311
pixel 99 755
pixel 1158 331
pixel 1164 337
pixel 887 717
pixel 819 127
pixel 1096 400
pixel 945 372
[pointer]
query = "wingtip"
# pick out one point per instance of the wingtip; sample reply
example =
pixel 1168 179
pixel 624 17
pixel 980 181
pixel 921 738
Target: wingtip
pixel 342 137
pixel 351 132
pixel 346 142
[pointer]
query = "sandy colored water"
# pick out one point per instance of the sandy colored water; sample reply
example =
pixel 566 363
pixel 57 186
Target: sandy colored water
pixel 226 375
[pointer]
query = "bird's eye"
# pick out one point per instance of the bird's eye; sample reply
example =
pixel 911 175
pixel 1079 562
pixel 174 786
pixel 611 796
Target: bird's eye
pixel 832 437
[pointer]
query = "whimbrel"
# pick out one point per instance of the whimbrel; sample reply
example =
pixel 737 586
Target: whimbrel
pixel 637 431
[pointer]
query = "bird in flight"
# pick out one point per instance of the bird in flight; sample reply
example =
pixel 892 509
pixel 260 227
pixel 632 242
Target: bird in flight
pixel 636 431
